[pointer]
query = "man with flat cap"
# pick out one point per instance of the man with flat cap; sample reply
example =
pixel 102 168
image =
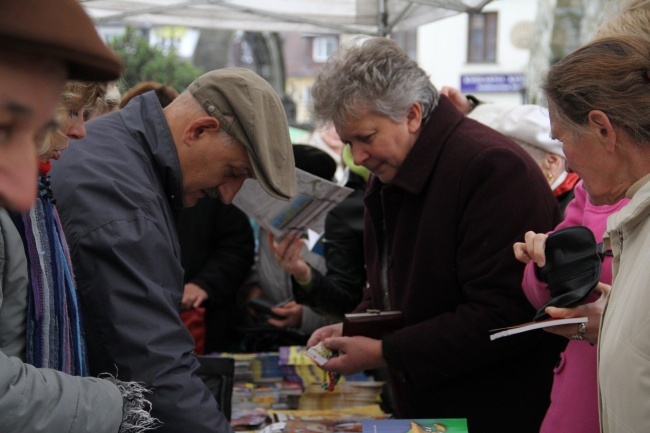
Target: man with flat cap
pixel 119 191
pixel 41 45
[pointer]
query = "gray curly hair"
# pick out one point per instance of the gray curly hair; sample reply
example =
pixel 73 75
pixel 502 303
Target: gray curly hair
pixel 375 75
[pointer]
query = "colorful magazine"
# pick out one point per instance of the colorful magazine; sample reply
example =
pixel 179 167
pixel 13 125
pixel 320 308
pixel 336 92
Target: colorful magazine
pixel 314 198
pixel 441 425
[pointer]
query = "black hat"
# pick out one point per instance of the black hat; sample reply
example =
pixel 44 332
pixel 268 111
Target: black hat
pixel 572 268
pixel 315 161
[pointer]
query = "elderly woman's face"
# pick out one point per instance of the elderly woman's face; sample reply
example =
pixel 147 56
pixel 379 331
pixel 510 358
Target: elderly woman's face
pixel 587 156
pixel 379 143
pixel 30 87
pixel 71 127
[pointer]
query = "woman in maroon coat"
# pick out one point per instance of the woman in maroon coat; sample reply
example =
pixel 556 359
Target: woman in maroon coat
pixel 448 199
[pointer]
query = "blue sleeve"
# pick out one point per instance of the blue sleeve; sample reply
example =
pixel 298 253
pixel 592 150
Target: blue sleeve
pixel 130 282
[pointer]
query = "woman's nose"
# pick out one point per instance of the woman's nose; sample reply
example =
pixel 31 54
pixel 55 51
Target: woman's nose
pixel 358 156
pixel 77 129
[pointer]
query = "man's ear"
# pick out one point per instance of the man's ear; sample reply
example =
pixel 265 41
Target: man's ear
pixel 199 127
pixel 599 124
pixel 414 118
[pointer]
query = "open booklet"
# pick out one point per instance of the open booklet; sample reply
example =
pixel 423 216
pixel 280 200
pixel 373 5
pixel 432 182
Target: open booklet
pixel 524 327
pixel 314 198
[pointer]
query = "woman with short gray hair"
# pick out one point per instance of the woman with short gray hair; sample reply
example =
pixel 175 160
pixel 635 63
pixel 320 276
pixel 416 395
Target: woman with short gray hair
pixel 372 75
pixel 437 245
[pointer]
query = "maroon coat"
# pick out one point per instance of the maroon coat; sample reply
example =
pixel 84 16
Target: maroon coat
pixel 462 197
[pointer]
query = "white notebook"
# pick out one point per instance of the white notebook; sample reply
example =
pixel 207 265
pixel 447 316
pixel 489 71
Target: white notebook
pixel 524 327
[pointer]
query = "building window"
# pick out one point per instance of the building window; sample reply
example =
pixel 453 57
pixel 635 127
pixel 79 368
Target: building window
pixel 322 47
pixel 482 38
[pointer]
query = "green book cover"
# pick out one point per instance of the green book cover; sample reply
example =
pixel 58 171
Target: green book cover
pixel 448 425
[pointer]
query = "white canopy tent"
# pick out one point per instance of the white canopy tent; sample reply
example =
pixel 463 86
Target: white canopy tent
pixel 371 17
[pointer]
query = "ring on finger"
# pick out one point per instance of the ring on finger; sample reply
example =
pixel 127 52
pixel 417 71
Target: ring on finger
pixel 582 328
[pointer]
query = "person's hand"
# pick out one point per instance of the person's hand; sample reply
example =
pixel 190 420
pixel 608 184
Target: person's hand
pixel 355 354
pixel 288 255
pixel 593 311
pixel 459 100
pixel 292 313
pixel 532 249
pixel 335 330
pixel 193 296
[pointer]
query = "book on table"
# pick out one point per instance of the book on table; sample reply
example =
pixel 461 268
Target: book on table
pixel 430 425
pixel 525 327
pixel 347 419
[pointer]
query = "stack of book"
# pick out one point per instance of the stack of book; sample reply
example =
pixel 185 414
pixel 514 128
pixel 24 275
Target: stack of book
pixel 252 367
pixel 322 421
pixel 288 380
pixel 346 394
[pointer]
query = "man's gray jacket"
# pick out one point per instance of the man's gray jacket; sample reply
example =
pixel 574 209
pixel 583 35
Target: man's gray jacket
pixel 118 192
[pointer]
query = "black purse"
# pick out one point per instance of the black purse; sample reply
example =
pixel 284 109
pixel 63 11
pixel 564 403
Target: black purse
pixel 572 269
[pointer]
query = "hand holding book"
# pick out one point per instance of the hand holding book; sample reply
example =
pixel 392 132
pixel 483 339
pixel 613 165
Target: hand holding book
pixel 355 354
pixel 525 327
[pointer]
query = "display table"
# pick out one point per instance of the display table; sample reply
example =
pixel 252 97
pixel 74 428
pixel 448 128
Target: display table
pixel 287 382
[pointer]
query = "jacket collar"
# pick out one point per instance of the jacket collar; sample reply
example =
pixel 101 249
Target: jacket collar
pixel 636 211
pixel 637 186
pixel 421 160
pixel 158 141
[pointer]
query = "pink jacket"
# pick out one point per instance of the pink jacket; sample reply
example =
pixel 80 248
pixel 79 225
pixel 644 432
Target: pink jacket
pixel 574 397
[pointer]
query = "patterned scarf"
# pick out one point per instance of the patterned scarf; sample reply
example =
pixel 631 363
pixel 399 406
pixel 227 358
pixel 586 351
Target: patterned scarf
pixel 54 330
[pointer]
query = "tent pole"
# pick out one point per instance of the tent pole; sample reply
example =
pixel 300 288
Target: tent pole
pixel 150 10
pixel 399 17
pixel 382 19
pixel 454 5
